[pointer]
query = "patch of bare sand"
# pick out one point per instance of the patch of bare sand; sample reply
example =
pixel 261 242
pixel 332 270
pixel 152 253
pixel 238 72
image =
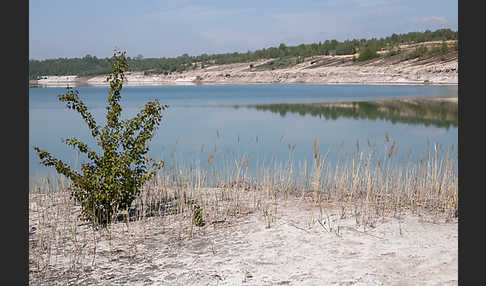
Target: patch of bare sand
pixel 294 250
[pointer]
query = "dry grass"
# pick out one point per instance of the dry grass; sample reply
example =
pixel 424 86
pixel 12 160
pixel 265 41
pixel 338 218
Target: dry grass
pixel 367 186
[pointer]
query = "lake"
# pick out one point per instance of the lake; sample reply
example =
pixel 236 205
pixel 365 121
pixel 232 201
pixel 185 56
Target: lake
pixel 269 123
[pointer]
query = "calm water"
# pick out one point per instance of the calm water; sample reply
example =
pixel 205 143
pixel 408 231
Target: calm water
pixel 231 120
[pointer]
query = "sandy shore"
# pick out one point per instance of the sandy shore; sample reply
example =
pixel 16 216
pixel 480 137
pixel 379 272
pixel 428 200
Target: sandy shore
pixel 317 70
pixel 291 249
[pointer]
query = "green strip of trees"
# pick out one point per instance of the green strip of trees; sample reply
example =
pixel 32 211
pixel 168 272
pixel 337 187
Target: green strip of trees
pixel 91 65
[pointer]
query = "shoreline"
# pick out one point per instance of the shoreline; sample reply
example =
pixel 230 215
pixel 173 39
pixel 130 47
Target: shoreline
pixel 341 70
pixel 133 84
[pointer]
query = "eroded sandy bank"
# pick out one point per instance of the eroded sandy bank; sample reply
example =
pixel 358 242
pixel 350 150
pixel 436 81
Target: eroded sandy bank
pixel 318 70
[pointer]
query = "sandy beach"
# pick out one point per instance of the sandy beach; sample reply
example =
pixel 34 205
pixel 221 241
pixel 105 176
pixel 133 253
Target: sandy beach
pixel 292 248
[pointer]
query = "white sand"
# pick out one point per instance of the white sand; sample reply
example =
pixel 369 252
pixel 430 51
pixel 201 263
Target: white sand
pixel 295 250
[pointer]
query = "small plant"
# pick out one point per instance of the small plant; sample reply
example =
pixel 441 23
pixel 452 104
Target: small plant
pixel 444 48
pixel 267 218
pixel 113 179
pixel 197 216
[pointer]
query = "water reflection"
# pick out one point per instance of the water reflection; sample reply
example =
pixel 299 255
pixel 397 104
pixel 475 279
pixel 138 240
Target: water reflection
pixel 201 120
pixel 435 112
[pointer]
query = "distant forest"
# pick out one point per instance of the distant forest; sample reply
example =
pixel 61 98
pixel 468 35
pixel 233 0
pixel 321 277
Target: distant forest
pixel 91 65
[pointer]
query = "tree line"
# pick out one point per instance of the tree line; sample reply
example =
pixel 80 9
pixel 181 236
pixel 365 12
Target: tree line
pixel 91 65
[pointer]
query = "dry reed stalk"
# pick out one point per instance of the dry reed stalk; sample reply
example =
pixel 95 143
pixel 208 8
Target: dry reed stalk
pixel 373 186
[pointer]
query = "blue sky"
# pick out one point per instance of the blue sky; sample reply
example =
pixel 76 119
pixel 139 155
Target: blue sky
pixel 156 28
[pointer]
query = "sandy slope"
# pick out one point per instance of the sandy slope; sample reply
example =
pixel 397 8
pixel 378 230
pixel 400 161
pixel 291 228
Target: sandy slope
pixel 294 250
pixel 317 70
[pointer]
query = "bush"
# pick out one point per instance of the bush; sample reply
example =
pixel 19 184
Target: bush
pixel 367 54
pixel 444 48
pixel 197 219
pixel 420 51
pixel 111 180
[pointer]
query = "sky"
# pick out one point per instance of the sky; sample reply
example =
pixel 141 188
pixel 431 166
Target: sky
pixel 157 28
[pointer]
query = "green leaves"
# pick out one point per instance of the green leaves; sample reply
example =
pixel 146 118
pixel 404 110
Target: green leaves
pixel 367 53
pixel 111 180
pixel 73 102
pixel 197 216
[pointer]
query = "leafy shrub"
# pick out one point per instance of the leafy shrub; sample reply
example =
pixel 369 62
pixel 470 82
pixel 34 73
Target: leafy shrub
pixel 367 54
pixel 419 51
pixel 111 180
pixel 197 216
pixel 434 51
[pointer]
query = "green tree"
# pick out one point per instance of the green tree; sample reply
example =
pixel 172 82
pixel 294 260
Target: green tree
pixel 112 179
pixel 282 49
